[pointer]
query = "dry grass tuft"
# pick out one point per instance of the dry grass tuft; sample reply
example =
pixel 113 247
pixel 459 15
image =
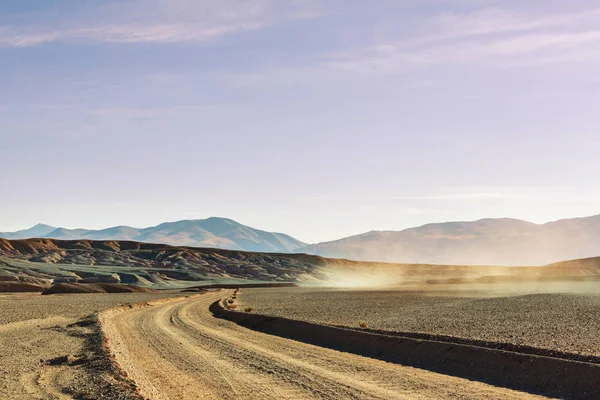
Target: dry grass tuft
pixel 249 309
pixel 363 324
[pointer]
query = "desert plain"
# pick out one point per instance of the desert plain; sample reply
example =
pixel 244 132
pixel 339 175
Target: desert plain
pixel 193 325
pixel 554 321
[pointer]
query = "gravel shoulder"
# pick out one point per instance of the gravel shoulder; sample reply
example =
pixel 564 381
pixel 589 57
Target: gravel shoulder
pixel 559 322
pixel 179 350
pixel 51 347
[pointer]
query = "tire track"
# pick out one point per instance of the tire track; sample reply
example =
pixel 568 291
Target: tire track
pixel 178 350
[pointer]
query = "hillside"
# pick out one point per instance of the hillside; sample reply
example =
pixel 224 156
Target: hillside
pixel 143 263
pixel 41 261
pixel 211 232
pixel 39 230
pixel 483 242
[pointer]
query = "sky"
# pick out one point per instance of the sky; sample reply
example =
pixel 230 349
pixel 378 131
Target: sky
pixel 317 118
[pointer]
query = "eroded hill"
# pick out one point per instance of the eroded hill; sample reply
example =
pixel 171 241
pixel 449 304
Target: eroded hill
pixel 46 261
pixel 145 264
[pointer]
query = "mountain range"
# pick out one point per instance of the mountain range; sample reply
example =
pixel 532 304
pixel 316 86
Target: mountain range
pixel 212 232
pixel 501 241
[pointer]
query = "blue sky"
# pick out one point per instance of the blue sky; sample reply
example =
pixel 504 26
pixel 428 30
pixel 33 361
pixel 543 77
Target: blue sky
pixel 319 118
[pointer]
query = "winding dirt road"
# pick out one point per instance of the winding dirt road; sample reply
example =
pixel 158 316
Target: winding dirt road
pixel 178 350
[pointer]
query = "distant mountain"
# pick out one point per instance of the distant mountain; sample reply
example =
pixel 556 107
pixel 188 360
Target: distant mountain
pixel 483 242
pixel 66 234
pixel 213 232
pixel 40 230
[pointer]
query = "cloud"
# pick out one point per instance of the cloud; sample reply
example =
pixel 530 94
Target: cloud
pixel 159 33
pixel 489 36
pixel 16 38
pixel 154 21
pixel 495 21
pixel 539 42
pixel 513 36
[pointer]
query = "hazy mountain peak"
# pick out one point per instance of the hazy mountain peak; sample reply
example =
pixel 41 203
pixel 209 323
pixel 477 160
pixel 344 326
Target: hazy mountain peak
pixel 488 241
pixel 210 232
pixel 42 226
pixel 491 241
pixel 38 230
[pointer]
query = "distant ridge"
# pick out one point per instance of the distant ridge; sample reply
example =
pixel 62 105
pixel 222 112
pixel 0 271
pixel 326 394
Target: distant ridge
pixel 490 241
pixel 212 232
pixel 502 241
pixel 39 230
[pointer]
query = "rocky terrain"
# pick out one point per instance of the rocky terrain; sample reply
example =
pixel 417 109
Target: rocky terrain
pixel 36 263
pixel 52 347
pixel 553 321
pixel 41 261
pixel 180 350
pixel 67 287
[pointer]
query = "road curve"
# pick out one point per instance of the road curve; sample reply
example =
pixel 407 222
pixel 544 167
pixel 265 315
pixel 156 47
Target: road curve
pixel 178 350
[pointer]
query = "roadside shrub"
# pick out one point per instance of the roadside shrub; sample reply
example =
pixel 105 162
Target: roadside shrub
pixel 249 309
pixel 363 324
pixel 230 301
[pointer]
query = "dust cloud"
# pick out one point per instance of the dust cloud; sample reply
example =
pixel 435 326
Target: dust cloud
pixel 486 280
pixel 336 278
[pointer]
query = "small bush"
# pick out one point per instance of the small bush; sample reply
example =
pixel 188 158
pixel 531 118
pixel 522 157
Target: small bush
pixel 249 309
pixel 363 324
pixel 230 301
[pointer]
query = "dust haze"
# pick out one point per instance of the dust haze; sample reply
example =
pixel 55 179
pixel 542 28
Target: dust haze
pixel 580 276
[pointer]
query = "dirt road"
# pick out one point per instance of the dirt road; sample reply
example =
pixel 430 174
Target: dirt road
pixel 178 350
pixel 50 346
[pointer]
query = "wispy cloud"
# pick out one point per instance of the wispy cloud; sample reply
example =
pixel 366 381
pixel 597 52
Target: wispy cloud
pixel 483 36
pixel 155 21
pixel 159 33
pixel 497 21
pixel 21 38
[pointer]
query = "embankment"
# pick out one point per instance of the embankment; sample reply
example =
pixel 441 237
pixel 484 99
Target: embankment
pixel 537 374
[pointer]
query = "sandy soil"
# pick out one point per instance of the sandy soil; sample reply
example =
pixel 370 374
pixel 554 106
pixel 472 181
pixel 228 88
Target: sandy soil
pixel 49 349
pixel 560 322
pixel 178 350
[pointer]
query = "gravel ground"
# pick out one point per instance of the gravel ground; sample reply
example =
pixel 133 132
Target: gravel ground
pixel 21 307
pixel 563 322
pixel 179 350
pixel 49 349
